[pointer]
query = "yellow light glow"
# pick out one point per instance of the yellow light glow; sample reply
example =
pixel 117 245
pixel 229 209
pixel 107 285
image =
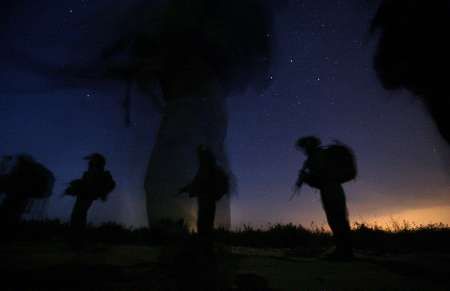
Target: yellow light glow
pixel 422 216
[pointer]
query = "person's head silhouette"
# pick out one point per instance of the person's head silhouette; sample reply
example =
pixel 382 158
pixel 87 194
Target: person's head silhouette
pixel 96 161
pixel 308 144
pixel 205 155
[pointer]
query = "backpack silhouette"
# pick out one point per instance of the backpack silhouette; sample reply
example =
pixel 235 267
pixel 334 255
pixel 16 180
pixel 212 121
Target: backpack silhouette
pixel 340 163
pixel 92 186
pixel 335 162
pixel 29 179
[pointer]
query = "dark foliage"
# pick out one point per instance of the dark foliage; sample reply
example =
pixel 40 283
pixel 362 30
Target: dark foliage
pixel 413 52
pixel 275 236
pixel 403 239
pixel 227 38
pixel 400 239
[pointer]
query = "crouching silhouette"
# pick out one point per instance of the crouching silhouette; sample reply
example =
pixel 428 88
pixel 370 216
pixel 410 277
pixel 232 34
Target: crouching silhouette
pixel 209 185
pixel 22 181
pixel 96 183
pixel 326 168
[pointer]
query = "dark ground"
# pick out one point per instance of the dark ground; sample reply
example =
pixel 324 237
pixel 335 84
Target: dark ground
pixel 52 264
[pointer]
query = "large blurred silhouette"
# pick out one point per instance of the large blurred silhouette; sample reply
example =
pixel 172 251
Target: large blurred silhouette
pixel 96 183
pixel 188 56
pixel 209 185
pixel 326 168
pixel 23 181
pixel 413 52
pixel 199 52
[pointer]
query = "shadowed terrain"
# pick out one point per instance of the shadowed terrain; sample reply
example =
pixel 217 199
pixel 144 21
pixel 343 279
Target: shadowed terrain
pixel 144 260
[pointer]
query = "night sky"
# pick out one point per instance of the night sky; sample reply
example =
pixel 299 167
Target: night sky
pixel 322 83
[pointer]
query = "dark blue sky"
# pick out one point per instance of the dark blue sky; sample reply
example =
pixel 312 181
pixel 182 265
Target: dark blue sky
pixel 322 83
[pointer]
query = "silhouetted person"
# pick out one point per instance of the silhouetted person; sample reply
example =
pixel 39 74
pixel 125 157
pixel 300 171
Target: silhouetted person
pixel 209 185
pixel 96 183
pixel 22 180
pixel 326 168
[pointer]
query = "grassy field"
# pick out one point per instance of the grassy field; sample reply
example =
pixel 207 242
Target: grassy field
pixel 282 258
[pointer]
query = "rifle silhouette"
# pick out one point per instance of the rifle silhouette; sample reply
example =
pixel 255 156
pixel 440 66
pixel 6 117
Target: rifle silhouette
pixel 298 184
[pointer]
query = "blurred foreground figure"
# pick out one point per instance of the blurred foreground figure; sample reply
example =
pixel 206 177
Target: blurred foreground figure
pixel 187 56
pixel 96 183
pixel 413 53
pixel 209 185
pixel 326 168
pixel 22 181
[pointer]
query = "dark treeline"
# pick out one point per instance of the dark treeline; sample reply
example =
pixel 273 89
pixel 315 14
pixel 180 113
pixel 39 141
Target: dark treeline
pixel 301 241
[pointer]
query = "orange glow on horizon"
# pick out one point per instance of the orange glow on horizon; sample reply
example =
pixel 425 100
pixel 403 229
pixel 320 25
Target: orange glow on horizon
pixel 413 217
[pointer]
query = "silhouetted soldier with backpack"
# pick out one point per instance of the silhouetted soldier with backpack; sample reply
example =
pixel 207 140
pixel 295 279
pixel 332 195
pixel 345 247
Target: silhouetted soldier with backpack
pixel 209 185
pixel 96 183
pixel 326 168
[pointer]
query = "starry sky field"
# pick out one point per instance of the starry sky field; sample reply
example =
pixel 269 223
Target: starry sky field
pixel 321 82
